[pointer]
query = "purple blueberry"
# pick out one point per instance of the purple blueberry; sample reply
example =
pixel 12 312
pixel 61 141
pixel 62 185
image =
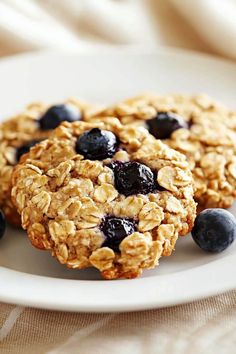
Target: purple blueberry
pixel 55 115
pixel 115 230
pixel 164 124
pixel 97 144
pixel 133 178
pixel 214 230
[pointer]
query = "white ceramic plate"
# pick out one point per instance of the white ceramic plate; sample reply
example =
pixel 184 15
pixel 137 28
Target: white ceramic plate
pixel 31 277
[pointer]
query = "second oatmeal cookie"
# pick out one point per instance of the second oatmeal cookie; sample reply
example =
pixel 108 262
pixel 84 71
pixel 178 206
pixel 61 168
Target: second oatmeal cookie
pixel 22 131
pixel 197 126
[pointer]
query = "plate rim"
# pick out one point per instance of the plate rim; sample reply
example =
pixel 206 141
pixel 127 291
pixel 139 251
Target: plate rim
pixel 221 268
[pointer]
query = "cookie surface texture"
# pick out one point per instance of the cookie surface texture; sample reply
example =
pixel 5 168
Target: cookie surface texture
pixel 119 213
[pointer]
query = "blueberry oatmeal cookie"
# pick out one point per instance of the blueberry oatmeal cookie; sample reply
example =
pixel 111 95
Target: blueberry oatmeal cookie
pixel 104 195
pixel 198 127
pixel 21 132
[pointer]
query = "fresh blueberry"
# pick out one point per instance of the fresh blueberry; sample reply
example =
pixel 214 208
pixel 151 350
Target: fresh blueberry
pixel 164 124
pixel 97 144
pixel 25 148
pixel 134 178
pixel 214 230
pixel 55 115
pixel 115 230
pixel 2 224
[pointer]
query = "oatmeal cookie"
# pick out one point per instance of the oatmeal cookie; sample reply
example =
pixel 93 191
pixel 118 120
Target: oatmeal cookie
pixel 104 195
pixel 19 133
pixel 197 126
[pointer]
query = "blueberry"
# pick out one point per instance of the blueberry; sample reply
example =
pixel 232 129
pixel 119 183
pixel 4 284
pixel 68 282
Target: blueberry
pixel 133 178
pixel 2 224
pixel 164 124
pixel 214 230
pixel 97 144
pixel 115 230
pixel 55 115
pixel 23 149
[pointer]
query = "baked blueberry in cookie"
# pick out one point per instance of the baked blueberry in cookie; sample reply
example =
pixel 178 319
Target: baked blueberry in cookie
pixel 57 114
pixel 115 230
pixel 104 195
pixel 97 144
pixel 134 178
pixel 164 124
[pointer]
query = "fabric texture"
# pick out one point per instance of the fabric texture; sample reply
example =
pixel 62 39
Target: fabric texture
pixel 205 25
pixel 206 326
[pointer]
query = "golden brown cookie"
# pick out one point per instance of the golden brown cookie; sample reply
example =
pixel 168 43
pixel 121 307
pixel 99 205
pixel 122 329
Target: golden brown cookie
pixel 104 195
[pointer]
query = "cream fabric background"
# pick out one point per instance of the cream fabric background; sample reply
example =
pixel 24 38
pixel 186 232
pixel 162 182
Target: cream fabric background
pixel 205 25
pixel 206 326
pixel 202 327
